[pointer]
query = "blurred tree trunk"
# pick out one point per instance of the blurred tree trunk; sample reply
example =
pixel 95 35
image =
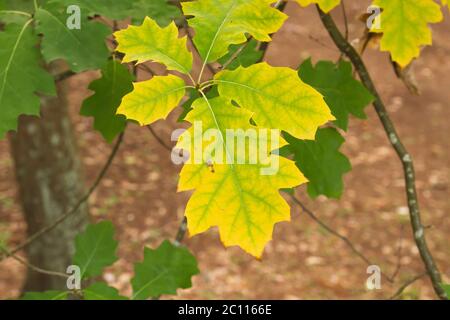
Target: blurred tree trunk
pixel 50 179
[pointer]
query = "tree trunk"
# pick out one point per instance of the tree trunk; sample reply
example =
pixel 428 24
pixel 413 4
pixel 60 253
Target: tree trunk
pixel 50 179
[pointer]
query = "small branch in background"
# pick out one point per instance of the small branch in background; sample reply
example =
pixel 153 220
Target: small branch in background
pixel 31 266
pixel 338 235
pixel 182 229
pixel 399 255
pixel 158 138
pixel 404 156
pixel 407 284
pixel 80 202
pixel 146 68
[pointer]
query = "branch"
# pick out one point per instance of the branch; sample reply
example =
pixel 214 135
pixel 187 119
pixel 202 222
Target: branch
pixel 80 202
pixel 406 159
pixel 31 266
pixel 407 284
pixel 335 233
pixel 158 138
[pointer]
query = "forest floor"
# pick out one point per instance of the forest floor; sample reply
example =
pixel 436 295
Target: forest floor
pixel 303 261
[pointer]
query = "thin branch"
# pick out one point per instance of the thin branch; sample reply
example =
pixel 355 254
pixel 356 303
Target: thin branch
pixel 337 234
pixel 403 154
pixel 407 284
pixel 158 138
pixel 32 266
pixel 80 202
pixel 182 229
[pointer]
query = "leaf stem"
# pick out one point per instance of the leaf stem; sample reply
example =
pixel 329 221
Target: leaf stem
pixel 22 13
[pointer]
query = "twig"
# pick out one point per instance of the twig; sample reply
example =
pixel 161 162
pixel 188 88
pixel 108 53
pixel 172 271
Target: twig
pixel 335 233
pixel 80 202
pixel 407 284
pixel 31 266
pixel 403 154
pixel 158 138
pixel 182 229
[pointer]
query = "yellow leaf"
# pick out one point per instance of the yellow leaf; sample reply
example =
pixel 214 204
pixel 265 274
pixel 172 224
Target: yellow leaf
pixel 153 99
pixel 404 24
pixel 151 42
pixel 218 24
pixel 278 98
pixel 237 198
pixel 325 5
pixel 445 2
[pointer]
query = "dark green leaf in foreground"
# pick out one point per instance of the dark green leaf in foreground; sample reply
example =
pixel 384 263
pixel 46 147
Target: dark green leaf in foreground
pixel 321 162
pixel 111 9
pixel 21 75
pixel 95 249
pixel 163 271
pixel 162 11
pixel 83 49
pixel 248 55
pixel 115 83
pixel 101 291
pixel 344 94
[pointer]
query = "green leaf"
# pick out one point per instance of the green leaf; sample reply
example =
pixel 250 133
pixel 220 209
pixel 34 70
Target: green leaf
pixel 163 271
pixel 446 288
pixel 151 42
pixel 240 197
pixel 115 83
pixel 101 291
pixel 248 56
pixel 83 49
pixel 321 162
pixel 343 94
pixel 21 75
pixel 113 9
pixel 95 249
pixel 278 98
pixel 46 295
pixel 6 6
pixel 218 24
pixel 153 99
pixel 162 11
pixel 404 24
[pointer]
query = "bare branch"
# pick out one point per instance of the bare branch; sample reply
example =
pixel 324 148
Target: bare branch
pixel 407 284
pixel 405 157
pixel 337 234
pixel 158 138
pixel 31 266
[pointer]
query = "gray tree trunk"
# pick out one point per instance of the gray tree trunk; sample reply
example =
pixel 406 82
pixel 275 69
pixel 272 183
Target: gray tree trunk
pixel 50 179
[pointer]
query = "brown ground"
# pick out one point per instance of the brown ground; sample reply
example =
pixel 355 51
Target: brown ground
pixel 304 261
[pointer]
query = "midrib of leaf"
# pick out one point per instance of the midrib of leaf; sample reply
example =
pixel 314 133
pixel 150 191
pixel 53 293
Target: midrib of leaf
pixel 234 173
pixel 11 57
pixel 149 283
pixel 213 42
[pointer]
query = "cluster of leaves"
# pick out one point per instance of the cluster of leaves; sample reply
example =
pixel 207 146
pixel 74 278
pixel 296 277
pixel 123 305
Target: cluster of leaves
pixel 162 271
pixel 37 35
pixel 241 202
